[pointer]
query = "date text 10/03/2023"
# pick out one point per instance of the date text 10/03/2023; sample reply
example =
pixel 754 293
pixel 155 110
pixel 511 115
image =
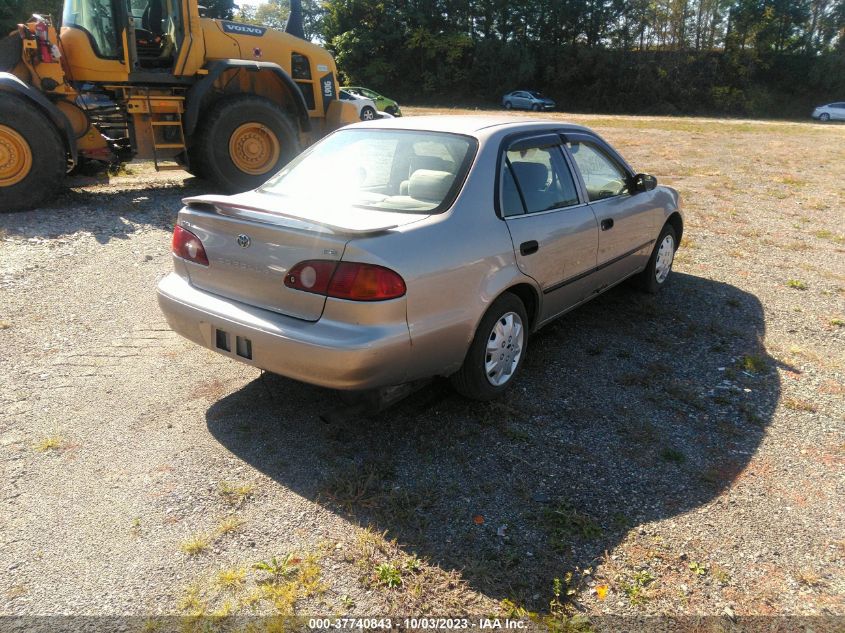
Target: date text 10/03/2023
pixel 489 624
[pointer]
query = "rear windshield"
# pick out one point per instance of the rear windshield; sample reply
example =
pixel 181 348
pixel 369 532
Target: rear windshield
pixel 392 170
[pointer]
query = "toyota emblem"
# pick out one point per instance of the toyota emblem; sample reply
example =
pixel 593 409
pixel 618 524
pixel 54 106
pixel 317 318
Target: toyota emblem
pixel 244 241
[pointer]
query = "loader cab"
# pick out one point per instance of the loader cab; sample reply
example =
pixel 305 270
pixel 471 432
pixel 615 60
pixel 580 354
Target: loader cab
pixel 107 40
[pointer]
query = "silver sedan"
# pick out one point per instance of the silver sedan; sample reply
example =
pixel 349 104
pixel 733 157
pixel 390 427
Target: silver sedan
pixel 396 250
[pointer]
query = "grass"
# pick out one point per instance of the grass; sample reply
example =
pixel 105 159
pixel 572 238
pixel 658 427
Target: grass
pixel 49 443
pixel 195 545
pixel 231 578
pixel 564 523
pixel 753 363
pixel 230 525
pixel 824 234
pixel 235 493
pixel 796 284
pixel 246 591
pixel 388 574
pixel 637 587
pixel 797 404
pixel 672 455
pixel 837 322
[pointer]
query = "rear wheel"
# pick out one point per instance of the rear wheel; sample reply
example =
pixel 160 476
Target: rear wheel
pixel 497 351
pixel 536 107
pixel 33 160
pixel 244 140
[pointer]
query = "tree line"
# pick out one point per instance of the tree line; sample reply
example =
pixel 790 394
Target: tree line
pixel 734 57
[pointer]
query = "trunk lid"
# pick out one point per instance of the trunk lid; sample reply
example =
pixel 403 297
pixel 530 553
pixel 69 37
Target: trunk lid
pixel 252 240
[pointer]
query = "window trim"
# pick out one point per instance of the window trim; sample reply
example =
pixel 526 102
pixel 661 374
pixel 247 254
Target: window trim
pixel 526 136
pixel 580 137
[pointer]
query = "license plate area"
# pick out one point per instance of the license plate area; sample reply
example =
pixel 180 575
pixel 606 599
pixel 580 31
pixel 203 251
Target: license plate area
pixel 225 341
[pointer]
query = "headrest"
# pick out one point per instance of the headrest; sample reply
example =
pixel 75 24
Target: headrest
pixel 428 184
pixel 531 176
pixel 431 162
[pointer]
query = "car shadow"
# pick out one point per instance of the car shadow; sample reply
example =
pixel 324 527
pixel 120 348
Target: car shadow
pixel 631 409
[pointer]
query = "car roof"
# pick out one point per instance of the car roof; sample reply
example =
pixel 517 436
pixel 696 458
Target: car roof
pixel 470 124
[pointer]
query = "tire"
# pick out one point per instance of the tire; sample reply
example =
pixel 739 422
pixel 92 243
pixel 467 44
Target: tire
pixel 229 125
pixel 656 274
pixel 472 379
pixel 33 160
pixel 536 107
pixel 368 113
pixel 824 117
pixel 508 105
pixel 11 49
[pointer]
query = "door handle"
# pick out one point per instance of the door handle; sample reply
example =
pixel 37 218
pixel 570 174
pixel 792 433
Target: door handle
pixel 607 224
pixel 528 248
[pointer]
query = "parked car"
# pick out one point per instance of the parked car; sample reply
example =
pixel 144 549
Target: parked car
pixel 402 249
pixel 383 104
pixel 527 100
pixel 366 107
pixel 830 112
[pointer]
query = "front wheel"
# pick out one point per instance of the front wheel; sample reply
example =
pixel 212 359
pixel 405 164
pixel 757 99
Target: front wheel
pixel 368 113
pixel 508 105
pixel 33 160
pixel 656 273
pixel 536 107
pixel 824 117
pixel 497 351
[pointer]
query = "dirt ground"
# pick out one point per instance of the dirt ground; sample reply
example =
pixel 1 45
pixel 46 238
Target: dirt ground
pixel 675 455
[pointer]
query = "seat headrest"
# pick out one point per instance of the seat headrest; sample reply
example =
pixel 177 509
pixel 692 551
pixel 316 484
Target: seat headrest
pixel 431 162
pixel 532 176
pixel 428 184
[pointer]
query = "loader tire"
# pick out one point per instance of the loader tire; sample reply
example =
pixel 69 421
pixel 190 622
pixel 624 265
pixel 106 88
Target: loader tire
pixel 33 160
pixel 11 49
pixel 245 139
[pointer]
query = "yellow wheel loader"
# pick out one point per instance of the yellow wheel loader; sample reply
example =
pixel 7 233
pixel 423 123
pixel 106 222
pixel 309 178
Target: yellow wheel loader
pixel 154 79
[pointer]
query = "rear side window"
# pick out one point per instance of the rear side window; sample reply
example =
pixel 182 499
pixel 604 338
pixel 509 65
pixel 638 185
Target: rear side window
pixel 536 179
pixel 602 176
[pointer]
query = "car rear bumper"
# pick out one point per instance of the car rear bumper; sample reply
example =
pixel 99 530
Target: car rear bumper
pixel 329 353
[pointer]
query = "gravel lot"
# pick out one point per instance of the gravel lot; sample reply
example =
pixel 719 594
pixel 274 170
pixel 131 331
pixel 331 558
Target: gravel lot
pixel 677 455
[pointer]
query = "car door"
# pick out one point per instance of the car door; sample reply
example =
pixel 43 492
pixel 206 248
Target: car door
pixel 837 111
pixel 626 222
pixel 554 231
pixel 520 100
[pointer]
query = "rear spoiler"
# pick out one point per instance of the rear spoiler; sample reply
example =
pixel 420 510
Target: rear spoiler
pixel 224 205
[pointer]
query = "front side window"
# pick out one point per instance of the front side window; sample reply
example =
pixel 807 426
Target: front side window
pixel 541 178
pixel 602 176
pixel 96 17
pixel 392 170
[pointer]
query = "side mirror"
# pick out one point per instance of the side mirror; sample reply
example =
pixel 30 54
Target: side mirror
pixel 644 182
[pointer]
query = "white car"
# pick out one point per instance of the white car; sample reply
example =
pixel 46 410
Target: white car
pixel 830 112
pixel 366 107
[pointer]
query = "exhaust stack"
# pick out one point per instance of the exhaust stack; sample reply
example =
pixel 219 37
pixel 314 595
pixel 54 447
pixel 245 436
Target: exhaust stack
pixel 294 24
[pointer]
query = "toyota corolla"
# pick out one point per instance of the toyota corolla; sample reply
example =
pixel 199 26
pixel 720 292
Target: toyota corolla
pixel 402 249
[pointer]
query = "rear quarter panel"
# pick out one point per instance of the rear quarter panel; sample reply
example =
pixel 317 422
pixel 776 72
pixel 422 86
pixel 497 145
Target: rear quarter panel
pixel 454 264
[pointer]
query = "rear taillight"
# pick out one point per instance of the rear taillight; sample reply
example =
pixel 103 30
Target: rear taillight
pixel 346 280
pixel 188 246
